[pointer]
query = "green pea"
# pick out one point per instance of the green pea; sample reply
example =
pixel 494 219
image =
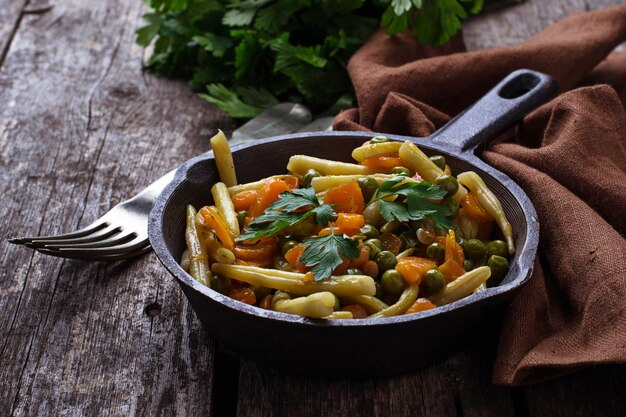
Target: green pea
pixel 474 249
pixel 409 238
pixel 447 183
pixel 369 231
pixel 354 271
pixel 379 139
pixel 337 304
pixel 468 265
pixel 391 226
pixel 386 260
pixel 220 284
pixel 375 245
pixel 288 245
pixel 368 186
pixel 308 177
pixel 499 267
pixel 432 282
pixel 498 247
pixel 436 251
pixel 439 160
pixel 400 170
pixel 241 218
pixel 392 282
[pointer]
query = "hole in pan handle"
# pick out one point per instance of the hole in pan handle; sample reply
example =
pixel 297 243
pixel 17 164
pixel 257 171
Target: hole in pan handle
pixel 503 106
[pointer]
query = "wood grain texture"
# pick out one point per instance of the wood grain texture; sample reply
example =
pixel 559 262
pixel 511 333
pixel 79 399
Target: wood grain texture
pixel 10 16
pixel 517 23
pixel 458 386
pixel 82 128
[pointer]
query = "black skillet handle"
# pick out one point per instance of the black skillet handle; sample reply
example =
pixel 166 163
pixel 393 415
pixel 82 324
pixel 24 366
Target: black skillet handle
pixel 503 106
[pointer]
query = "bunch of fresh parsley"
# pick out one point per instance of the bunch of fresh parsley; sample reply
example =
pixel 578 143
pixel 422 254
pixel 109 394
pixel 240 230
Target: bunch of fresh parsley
pixel 246 55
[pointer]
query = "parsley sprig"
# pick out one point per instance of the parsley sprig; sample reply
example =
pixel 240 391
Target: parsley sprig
pixel 323 253
pixel 247 55
pixel 413 203
pixel 291 208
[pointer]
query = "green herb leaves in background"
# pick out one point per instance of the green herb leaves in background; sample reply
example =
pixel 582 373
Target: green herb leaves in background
pixel 247 55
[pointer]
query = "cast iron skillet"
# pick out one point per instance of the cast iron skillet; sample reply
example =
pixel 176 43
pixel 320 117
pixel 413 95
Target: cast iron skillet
pixel 356 348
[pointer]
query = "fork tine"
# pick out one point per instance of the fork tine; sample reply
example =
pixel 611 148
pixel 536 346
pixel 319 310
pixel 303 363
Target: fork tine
pixel 98 235
pixel 111 250
pixel 91 228
pixel 112 238
pixel 79 256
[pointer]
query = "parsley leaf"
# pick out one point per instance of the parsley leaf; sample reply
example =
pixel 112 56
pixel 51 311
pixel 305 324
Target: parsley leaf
pixel 291 208
pixel 415 204
pixel 324 253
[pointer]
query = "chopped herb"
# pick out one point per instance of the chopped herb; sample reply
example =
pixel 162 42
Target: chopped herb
pixel 413 203
pixel 291 208
pixel 324 253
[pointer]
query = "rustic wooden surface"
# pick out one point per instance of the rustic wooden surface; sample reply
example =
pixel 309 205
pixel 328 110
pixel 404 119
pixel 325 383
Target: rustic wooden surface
pixel 82 128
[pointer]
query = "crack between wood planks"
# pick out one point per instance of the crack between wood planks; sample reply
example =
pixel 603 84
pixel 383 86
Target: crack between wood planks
pixel 16 26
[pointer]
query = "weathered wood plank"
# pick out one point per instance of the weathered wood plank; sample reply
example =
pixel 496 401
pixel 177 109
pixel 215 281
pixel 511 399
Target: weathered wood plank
pixel 10 15
pixel 81 128
pixel 598 391
pixel 458 386
pixel 517 23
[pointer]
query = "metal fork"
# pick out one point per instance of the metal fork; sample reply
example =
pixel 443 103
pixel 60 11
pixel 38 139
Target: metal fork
pixel 122 233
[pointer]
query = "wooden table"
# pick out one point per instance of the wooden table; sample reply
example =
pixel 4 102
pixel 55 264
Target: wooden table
pixel 82 128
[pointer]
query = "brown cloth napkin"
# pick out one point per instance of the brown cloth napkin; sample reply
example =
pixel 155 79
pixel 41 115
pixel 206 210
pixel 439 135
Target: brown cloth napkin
pixel 569 156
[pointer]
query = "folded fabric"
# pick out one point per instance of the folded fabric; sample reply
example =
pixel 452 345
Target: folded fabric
pixel 569 156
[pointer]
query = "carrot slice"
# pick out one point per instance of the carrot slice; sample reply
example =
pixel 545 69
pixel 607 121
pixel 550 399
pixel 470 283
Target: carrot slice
pixel 413 268
pixel 473 208
pixel 382 163
pixel 421 304
pixel 268 193
pixel 262 251
pixel 210 218
pixel 350 221
pixel 293 257
pixel 451 270
pixel 346 198
pixel 244 199
pixel 245 295
pixel 454 251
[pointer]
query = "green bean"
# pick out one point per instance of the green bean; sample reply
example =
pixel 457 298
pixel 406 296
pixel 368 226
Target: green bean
pixel 317 305
pixel 224 256
pixel 295 283
pixel 462 286
pixel 372 304
pixel 405 301
pixel 490 203
pixel 184 260
pixel 198 258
